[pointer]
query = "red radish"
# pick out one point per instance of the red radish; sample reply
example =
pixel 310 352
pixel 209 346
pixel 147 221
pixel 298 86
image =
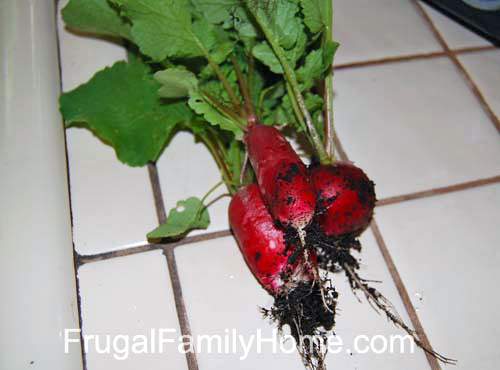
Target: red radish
pixel 303 301
pixel 282 177
pixel 262 243
pixel 346 198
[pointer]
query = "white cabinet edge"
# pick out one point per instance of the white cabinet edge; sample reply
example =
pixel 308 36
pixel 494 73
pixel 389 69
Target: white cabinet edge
pixel 37 277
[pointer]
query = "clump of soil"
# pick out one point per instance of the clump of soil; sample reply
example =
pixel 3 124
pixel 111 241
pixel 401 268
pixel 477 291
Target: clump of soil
pixel 308 309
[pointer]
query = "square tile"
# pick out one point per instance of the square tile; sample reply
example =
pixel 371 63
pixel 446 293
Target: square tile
pixel 228 296
pixel 455 35
pixel 187 169
pixel 484 68
pixel 446 250
pixel 112 203
pixel 369 30
pixel 414 126
pixel 129 296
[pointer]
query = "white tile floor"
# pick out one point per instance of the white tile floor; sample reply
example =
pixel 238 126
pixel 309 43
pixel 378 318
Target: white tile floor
pixel 485 70
pixel 187 169
pixel 370 30
pixel 446 250
pixel 129 296
pixel 412 125
pixel 436 133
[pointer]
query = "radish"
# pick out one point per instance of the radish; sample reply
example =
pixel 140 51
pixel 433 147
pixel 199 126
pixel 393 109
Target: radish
pixel 263 244
pixel 282 177
pixel 346 198
pixel 303 301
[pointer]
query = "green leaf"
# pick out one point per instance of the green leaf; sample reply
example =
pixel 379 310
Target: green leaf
pixel 164 28
pixel 243 25
pixel 221 51
pixel 313 102
pixel 316 64
pixel 121 106
pixel 315 13
pixel 234 158
pixel 161 28
pixel 287 29
pixel 176 82
pixel 95 16
pixel 286 24
pixel 265 54
pixel 215 11
pixel 188 215
pixel 329 51
pixel 212 115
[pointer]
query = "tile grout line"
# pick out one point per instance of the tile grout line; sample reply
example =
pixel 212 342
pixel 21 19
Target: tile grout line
pixel 461 69
pixel 148 247
pixel 396 277
pixel 157 194
pixel 412 57
pixel 75 253
pixel 438 191
pixel 172 266
pixel 403 293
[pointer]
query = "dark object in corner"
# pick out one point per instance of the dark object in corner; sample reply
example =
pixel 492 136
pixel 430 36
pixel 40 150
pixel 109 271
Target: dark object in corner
pixel 483 22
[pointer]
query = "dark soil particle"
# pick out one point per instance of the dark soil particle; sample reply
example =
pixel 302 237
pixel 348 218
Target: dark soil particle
pixel 290 172
pixel 257 257
pixel 304 304
pixel 332 252
pixel 310 314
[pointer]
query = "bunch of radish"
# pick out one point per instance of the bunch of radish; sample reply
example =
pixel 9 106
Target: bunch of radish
pixel 296 220
pixel 272 222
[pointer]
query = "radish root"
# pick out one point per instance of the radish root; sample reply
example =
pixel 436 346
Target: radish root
pixel 301 310
pixel 380 303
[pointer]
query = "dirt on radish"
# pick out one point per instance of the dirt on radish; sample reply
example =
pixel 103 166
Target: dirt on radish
pixel 304 302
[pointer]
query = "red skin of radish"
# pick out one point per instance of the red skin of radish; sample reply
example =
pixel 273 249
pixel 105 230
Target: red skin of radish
pixel 281 175
pixel 262 243
pixel 346 198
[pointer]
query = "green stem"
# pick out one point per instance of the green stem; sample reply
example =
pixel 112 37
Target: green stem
pixel 211 190
pixel 207 194
pixel 250 74
pixel 292 80
pixel 328 90
pixel 226 175
pixel 227 86
pixel 247 100
pixel 223 110
pixel 296 109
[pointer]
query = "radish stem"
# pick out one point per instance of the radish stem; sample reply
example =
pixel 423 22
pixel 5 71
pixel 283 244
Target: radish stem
pixel 232 95
pixel 292 80
pixel 296 110
pixel 211 190
pixel 215 151
pixel 247 100
pixel 328 89
pixel 224 110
